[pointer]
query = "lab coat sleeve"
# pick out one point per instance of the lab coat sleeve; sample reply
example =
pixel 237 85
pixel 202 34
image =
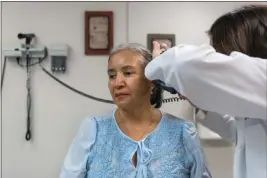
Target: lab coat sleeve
pixel 223 125
pixel 75 164
pixel 234 85
pixel 196 158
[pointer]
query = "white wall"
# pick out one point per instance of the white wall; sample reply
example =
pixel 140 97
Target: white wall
pixel 57 112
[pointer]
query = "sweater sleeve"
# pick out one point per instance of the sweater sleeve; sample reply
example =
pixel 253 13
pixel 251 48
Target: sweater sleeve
pixel 75 164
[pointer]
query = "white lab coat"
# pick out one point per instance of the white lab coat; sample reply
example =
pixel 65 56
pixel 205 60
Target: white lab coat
pixel 234 85
pixel 249 137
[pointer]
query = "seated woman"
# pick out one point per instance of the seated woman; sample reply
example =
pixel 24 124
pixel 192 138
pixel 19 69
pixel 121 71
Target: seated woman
pixel 136 140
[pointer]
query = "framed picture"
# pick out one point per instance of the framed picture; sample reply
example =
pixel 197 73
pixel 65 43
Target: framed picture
pixel 168 39
pixel 98 32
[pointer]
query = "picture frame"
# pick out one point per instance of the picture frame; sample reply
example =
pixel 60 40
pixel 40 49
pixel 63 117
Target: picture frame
pixel 168 39
pixel 98 32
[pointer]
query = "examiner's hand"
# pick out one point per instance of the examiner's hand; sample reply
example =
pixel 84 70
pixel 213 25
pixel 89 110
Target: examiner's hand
pixel 158 48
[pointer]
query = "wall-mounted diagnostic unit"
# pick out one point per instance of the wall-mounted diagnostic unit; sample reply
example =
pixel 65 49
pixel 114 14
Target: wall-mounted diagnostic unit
pixel 58 55
pixel 31 55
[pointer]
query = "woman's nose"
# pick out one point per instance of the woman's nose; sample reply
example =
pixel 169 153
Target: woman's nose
pixel 120 82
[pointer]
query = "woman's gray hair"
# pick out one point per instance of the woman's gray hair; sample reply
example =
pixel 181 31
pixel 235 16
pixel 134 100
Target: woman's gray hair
pixel 135 47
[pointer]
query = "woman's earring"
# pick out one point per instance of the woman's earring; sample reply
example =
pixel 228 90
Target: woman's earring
pixel 152 89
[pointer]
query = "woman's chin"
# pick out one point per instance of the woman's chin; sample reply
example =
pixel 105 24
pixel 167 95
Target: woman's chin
pixel 122 104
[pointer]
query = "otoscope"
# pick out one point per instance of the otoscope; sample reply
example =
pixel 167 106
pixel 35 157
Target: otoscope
pixel 162 85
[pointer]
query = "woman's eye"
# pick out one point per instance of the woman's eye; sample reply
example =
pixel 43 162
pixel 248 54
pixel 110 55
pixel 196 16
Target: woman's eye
pixel 111 76
pixel 128 73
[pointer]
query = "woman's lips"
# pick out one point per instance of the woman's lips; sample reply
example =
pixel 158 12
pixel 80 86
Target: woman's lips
pixel 120 95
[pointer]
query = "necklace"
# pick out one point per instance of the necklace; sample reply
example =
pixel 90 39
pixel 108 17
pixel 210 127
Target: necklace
pixel 122 121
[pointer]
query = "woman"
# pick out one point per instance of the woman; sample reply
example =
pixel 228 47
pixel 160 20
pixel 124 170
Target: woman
pixel 137 139
pixel 228 77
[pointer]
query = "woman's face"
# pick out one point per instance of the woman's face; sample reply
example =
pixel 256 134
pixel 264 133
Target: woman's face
pixel 127 83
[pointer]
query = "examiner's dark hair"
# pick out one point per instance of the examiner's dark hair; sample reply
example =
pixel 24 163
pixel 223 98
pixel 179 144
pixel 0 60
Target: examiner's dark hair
pixel 243 30
pixel 157 92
